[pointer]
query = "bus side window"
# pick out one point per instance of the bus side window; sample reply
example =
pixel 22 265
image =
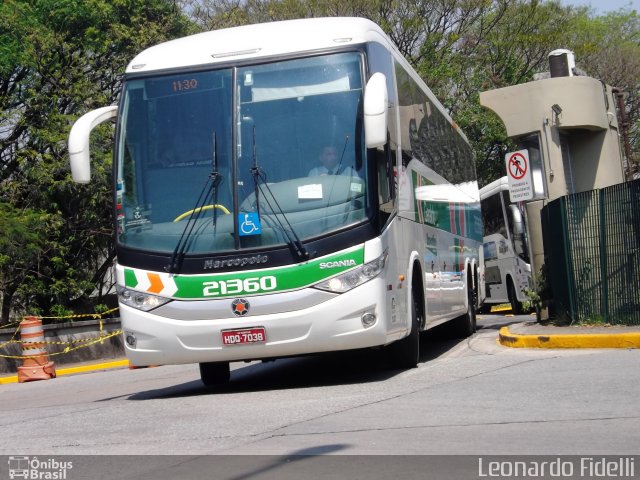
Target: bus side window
pixel 386 184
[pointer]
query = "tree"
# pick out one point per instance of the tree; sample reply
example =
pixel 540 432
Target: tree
pixel 608 48
pixel 459 48
pixel 58 59
pixel 217 14
pixel 462 47
pixel 510 52
pixel 22 246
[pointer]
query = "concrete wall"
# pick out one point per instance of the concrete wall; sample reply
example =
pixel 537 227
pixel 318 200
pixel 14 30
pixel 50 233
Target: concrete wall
pixel 524 107
pixel 589 154
pixel 536 243
pixel 67 334
pixel 588 122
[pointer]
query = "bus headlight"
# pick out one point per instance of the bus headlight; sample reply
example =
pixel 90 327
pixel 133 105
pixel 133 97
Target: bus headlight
pixel 353 278
pixel 140 300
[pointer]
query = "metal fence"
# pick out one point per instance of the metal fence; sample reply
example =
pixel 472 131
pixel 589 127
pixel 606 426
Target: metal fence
pixel 592 254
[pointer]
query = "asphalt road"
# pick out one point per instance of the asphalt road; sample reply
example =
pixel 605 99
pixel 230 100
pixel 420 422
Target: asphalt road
pixel 472 397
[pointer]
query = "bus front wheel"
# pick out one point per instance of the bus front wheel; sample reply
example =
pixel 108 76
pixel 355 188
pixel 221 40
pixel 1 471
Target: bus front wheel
pixel 405 353
pixel 516 306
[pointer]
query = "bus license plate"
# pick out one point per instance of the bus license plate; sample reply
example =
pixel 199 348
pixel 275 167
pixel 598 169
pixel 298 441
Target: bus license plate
pixel 246 335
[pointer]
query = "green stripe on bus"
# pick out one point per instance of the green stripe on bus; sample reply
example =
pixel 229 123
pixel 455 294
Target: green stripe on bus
pixel 130 279
pixel 259 282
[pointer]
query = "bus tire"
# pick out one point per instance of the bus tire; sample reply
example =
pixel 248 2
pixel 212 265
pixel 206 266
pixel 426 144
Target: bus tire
pixel 465 325
pixel 516 306
pixel 485 308
pixel 215 374
pixel 405 353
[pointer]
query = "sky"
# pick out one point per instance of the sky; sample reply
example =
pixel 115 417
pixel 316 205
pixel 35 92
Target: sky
pixel 604 6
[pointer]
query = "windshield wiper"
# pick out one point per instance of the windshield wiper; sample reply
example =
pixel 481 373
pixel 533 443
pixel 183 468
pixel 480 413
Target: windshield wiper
pixel 209 190
pixel 260 181
pixel 216 180
pixel 340 168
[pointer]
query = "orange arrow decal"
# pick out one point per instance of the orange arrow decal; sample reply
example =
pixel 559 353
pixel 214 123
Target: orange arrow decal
pixel 156 283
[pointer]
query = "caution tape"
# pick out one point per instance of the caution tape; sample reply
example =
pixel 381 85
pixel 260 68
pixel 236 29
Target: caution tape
pixel 96 316
pixel 7 325
pixel 93 341
pixel 81 343
pixel 11 340
pixel 48 342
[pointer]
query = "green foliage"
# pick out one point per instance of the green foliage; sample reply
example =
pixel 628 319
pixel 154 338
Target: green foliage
pixel 533 302
pixel 58 59
pixel 608 48
pixel 462 47
pixel 23 247
pixel 60 311
pixel 539 296
pixel 101 308
pixel 487 135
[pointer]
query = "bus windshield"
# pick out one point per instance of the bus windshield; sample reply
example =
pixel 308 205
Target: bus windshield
pixel 241 157
pixel 504 221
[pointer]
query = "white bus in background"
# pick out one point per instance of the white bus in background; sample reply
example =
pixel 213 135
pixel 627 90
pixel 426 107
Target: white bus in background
pixel 507 269
pixel 229 250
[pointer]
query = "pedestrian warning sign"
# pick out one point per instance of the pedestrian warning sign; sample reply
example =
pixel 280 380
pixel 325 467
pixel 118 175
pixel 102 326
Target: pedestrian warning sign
pixel 519 176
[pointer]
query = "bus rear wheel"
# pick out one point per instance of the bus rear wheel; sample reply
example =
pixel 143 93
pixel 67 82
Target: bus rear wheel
pixel 215 374
pixel 465 325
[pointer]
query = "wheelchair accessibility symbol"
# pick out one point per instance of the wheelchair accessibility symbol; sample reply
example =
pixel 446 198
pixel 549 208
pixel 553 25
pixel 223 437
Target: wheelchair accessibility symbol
pixel 249 224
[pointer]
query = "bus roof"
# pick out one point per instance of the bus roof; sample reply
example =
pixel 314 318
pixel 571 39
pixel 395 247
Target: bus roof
pixel 257 41
pixel 502 184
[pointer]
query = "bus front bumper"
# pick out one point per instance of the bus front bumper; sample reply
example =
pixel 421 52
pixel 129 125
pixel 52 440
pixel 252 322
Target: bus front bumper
pixel 326 322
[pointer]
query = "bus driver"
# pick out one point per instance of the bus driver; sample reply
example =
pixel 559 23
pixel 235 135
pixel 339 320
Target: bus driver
pixel 329 164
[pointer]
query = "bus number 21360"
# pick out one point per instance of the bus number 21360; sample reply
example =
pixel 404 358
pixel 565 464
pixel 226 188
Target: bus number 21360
pixel 236 286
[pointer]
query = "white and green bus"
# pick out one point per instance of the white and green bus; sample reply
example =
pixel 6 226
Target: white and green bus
pixel 238 240
pixel 507 269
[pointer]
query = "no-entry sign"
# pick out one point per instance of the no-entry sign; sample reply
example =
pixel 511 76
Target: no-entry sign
pixel 519 176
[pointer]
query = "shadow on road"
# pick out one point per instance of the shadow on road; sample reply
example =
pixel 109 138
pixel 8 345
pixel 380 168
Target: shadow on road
pixel 335 368
pixel 341 368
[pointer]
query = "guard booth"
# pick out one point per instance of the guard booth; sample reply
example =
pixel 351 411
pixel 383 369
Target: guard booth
pixel 569 127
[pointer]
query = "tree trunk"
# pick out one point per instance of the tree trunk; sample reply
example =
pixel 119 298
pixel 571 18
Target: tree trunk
pixel 7 297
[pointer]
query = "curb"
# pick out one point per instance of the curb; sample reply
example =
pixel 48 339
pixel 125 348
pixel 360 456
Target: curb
pixel 584 340
pixel 72 370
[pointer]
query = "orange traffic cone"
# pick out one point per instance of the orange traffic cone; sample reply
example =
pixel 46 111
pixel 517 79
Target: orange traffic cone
pixel 35 361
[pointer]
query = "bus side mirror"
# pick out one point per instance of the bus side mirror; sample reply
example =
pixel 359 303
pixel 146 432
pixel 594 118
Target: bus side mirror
pixel 376 101
pixel 518 224
pixel 79 141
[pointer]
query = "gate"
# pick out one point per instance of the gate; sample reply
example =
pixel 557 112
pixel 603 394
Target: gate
pixel 592 254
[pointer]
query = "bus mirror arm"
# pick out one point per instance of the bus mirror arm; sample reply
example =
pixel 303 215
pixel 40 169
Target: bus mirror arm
pixel 79 156
pixel 376 101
